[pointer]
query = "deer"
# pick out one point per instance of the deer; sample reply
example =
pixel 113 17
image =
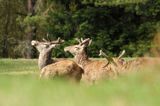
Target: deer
pixel 137 64
pixel 146 62
pixel 118 64
pixel 94 70
pixel 49 67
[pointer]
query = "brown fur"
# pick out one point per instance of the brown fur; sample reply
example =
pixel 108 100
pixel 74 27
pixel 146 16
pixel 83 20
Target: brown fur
pixel 94 70
pixel 66 68
pixel 119 65
pixel 140 63
pixel 50 67
pixel 147 62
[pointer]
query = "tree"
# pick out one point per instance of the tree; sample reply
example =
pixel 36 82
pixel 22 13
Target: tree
pixel 113 25
pixel 9 30
pixel 31 29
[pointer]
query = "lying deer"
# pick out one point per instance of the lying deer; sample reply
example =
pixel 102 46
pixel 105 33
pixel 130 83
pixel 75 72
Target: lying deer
pixel 50 67
pixel 121 66
pixel 115 64
pixel 143 63
pixel 94 70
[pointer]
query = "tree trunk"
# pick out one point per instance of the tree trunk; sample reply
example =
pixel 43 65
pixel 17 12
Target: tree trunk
pixel 31 34
pixel 6 32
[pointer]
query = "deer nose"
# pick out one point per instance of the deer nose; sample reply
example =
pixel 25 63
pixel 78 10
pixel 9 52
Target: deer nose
pixel 33 42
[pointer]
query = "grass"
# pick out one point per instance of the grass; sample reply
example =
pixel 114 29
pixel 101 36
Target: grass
pixel 21 86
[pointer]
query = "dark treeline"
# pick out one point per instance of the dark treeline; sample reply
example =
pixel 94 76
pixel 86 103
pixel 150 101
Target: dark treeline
pixel 113 25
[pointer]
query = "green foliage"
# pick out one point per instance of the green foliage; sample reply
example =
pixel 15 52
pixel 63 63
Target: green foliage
pixel 113 25
pixel 113 28
pixel 113 2
pixel 10 32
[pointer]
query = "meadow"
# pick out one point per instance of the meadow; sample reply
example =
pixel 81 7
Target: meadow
pixel 20 86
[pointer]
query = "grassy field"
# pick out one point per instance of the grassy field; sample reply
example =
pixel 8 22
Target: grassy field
pixel 21 86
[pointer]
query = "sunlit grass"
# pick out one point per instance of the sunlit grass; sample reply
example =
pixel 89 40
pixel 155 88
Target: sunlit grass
pixel 17 65
pixel 21 86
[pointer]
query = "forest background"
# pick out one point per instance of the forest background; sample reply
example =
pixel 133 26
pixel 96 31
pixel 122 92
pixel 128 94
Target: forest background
pixel 113 25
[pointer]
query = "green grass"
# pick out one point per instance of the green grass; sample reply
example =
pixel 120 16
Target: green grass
pixel 21 86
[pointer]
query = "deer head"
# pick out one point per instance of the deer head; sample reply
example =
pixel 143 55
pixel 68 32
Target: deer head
pixel 46 46
pixel 45 49
pixel 79 48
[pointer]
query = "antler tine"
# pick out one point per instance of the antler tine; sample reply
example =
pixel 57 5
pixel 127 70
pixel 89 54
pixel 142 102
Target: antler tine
pixel 82 39
pixel 79 41
pixel 59 40
pixel 90 42
pixel 100 52
pixel 86 40
pixel 48 37
pixel 110 59
pixel 120 56
pixel 44 40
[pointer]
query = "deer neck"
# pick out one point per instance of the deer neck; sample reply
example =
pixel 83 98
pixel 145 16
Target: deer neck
pixel 81 59
pixel 44 59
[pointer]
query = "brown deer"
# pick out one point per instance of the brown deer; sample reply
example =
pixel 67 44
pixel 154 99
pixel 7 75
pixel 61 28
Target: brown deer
pixel 94 70
pixel 118 64
pixel 50 67
pixel 121 66
pixel 146 62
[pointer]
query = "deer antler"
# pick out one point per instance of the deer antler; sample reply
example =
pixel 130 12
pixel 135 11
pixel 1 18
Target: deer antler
pixel 110 59
pixel 123 52
pixel 101 53
pixel 79 41
pixel 48 37
pixel 59 40
pixel 46 40
pixel 82 39
pixel 90 42
pixel 85 41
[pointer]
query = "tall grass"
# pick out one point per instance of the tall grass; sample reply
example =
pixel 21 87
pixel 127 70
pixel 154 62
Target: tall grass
pixel 26 89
